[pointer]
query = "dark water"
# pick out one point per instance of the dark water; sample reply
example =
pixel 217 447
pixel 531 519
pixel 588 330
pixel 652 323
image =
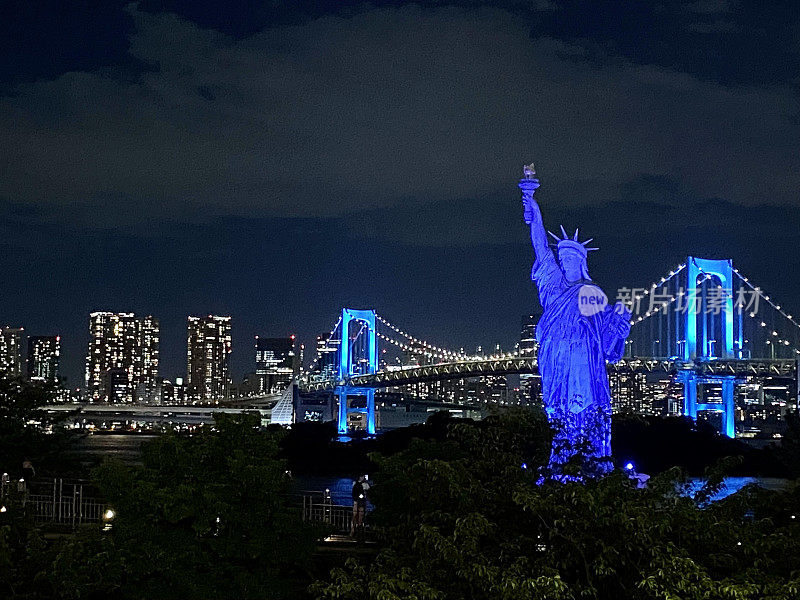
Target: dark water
pixel 124 446
pixel 128 447
pixel 731 485
pixel 341 488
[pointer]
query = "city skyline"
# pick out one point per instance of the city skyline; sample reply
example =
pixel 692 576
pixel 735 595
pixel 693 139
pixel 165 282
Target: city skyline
pixel 156 169
pixel 250 361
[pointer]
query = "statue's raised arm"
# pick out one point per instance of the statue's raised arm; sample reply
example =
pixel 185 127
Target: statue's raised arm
pixel 532 214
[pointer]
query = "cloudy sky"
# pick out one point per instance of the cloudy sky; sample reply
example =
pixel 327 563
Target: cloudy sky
pixel 277 161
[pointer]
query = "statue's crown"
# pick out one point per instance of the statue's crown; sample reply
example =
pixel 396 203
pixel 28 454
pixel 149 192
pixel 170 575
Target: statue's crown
pixel 572 243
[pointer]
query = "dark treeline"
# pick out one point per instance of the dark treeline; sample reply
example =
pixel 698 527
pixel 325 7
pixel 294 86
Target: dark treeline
pixel 653 444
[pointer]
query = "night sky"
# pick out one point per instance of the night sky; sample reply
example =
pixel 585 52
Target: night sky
pixel 276 161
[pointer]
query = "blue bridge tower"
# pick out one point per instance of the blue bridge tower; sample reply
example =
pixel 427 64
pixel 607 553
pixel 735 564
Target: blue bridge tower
pixel 699 345
pixel 358 355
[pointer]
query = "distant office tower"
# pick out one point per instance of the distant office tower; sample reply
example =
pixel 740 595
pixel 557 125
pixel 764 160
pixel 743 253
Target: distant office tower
pixel 276 363
pixel 327 354
pixel 648 393
pixel 530 385
pixel 208 345
pixel 11 351
pixel 171 392
pixel 527 337
pixel 44 352
pixel 630 393
pixel 148 384
pixel 122 363
pixel 416 354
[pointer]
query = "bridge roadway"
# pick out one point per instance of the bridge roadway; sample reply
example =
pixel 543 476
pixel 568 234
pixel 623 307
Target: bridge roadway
pixel 785 368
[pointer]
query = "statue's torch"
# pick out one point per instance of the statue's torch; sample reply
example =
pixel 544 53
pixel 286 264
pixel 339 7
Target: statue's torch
pixel 528 185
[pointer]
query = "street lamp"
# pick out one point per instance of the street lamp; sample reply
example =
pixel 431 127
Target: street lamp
pixel 654 347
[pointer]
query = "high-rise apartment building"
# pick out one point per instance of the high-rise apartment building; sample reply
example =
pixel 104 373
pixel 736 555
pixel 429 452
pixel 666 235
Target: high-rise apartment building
pixel 122 362
pixel 327 353
pixel 44 352
pixel 527 337
pixel 11 351
pixel 530 385
pixel 208 345
pixel 276 363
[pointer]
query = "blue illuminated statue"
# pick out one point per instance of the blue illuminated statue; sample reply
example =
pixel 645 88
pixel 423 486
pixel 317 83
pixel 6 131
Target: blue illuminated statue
pixel 577 333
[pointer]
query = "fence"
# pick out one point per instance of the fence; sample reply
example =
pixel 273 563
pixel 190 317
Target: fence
pixel 319 508
pixel 75 503
pixel 58 501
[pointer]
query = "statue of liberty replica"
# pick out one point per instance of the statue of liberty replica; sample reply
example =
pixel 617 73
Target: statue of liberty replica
pixel 578 333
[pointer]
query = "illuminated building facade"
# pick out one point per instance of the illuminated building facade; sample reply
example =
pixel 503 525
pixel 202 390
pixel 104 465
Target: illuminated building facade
pixel 327 360
pixel 44 352
pixel 208 347
pixel 530 385
pixel 646 393
pixel 122 361
pixel 630 394
pixel 11 351
pixel 276 363
pixel 171 392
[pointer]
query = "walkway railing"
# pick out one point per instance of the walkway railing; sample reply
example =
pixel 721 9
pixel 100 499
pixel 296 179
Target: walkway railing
pixel 319 508
pixel 57 501
pixel 74 503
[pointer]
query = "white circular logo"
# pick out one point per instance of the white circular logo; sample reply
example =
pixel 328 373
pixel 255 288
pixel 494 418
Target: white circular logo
pixel 591 300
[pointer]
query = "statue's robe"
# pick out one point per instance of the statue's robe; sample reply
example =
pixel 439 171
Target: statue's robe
pixel 573 350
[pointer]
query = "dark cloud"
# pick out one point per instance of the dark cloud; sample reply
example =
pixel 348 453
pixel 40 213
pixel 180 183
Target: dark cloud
pixel 43 39
pixel 343 114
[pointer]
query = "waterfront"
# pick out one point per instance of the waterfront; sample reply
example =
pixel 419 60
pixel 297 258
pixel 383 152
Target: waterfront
pixel 92 448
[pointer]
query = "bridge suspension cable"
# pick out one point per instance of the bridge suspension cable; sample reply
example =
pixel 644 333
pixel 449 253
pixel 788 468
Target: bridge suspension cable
pixel 442 352
pixel 773 337
pixel 656 336
pixel 449 356
pixel 661 336
pixel 315 363
pixel 651 292
pixel 767 299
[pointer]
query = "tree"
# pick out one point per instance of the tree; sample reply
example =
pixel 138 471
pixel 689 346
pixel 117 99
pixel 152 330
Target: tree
pixel 206 516
pixel 789 450
pixel 462 520
pixel 203 516
pixel 23 425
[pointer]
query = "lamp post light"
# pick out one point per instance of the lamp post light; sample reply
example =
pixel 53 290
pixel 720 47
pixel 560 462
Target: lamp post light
pixel 654 355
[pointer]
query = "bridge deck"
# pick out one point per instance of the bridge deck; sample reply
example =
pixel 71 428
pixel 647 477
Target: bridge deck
pixel 527 364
